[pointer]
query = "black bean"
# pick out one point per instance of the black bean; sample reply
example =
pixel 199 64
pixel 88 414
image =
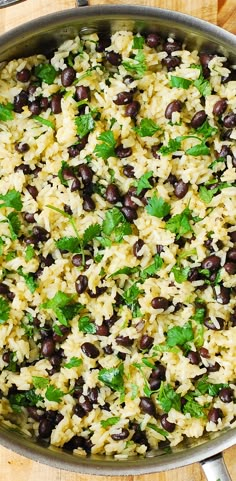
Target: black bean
pixel 82 93
pixel 193 357
pixel 128 202
pixel 230 267
pixel 67 173
pixel 112 194
pixel 23 75
pixel 22 147
pixel 88 204
pixel 172 179
pixel 214 415
pixel 56 103
pixel 55 360
pixel 232 236
pixel 73 150
pixel 224 151
pixel 33 191
pixel 130 214
pixel 77 260
pixel 223 296
pixel 4 289
pixel 29 217
pixel 122 153
pixel 204 352
pixel 33 413
pixel 137 247
pixel 159 372
pixel 98 291
pixel 198 119
pixel 220 107
pixel 90 350
pixel 233 318
pixel 128 79
pixel 193 274
pixel 204 60
pixel 46 261
pixel 103 43
pixel 86 173
pixel 45 428
pixel 23 168
pixel 41 233
pixel 123 434
pixel 114 58
pixel 174 106
pixel 44 103
pixel 123 98
pixel 20 101
pixel 32 89
pixel 75 185
pixel 210 324
pixel 67 209
pixel 170 47
pixel 79 411
pixel 102 330
pixel 226 134
pixel 211 262
pixel 108 349
pixel 229 121
pixel 167 425
pixel 153 40
pixel 146 342
pixel 75 442
pixel 81 284
pixel 36 171
pixel 34 107
pixel 132 109
pixel 48 347
pixel 181 189
pixel 160 303
pixel 213 367
pixel 154 383
pixel 171 62
pixel 124 341
pixel 93 393
pixel 147 406
pixel 226 395
pixel 61 337
pixel 86 404
pixel 231 254
pixel 6 357
pixel 68 76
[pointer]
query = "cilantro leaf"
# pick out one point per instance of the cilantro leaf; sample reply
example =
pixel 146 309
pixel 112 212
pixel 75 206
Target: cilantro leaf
pixel 69 244
pixel 180 273
pixel 63 307
pixel 116 223
pixel 168 398
pixel 137 64
pixel 153 268
pixel 12 199
pixel 207 195
pixel 125 270
pixel 46 72
pixel 29 253
pixel 6 112
pixel 193 408
pixel 4 310
pixel 203 86
pixel 64 165
pixel 24 398
pixel 29 280
pixel 110 421
pixel 90 233
pixel 180 82
pixel 199 336
pixel 85 325
pixel 157 207
pixel 54 394
pixel 107 148
pixel 158 430
pixel 180 223
pixel 43 121
pixel 203 386
pixel 113 377
pixel 172 146
pixel 178 336
pixel 143 182
pixel 73 362
pixel 138 42
pixel 147 128
pixel 199 149
pixel 85 124
pixel 14 225
pixel 131 294
pixel 39 382
pixel 206 130
pixel 199 315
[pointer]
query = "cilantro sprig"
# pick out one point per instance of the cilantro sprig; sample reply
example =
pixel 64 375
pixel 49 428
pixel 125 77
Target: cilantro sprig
pixel 6 112
pixel 46 72
pixel 107 148
pixel 143 182
pixel 179 224
pixel 168 398
pixel 115 224
pixel 63 306
pixel 12 199
pixel 136 65
pixel 146 128
pixel 113 377
pixel 157 207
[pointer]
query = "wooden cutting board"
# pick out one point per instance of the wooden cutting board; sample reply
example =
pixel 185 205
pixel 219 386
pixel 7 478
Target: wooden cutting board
pixel 221 12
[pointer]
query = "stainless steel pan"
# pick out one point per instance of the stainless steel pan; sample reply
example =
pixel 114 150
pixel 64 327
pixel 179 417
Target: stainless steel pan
pixel 42 35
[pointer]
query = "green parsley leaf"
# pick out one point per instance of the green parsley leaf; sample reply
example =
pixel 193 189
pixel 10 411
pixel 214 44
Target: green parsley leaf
pixel 40 382
pixel 157 207
pixel 85 124
pixel 12 199
pixel 73 362
pixel 113 377
pixel 147 128
pixel 6 112
pixel 172 146
pixel 138 42
pixel 137 64
pixel 25 399
pixel 46 72
pixel 143 182
pixel 14 225
pixel 168 398
pixel 158 430
pixel 180 82
pixel 193 408
pixel 29 280
pixel 179 224
pixel 107 148
pixel 180 273
pixel 110 422
pixel 64 165
pixel 90 233
pixel 199 149
pixel 207 195
pixel 153 268
pixel 178 336
pixel 54 394
pixel 203 86
pixel 85 325
pixel 206 130
pixel 69 244
pixel 43 121
pixel 4 310
pixel 116 223
pixel 29 253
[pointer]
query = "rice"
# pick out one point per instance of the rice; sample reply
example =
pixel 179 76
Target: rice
pixel 117 243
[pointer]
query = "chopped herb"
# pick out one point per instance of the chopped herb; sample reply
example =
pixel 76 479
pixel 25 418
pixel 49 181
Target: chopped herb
pixel 153 268
pixel 85 325
pixel 14 225
pixel 147 128
pixel 168 398
pixel 104 241
pixel 134 391
pixel 206 130
pixel 112 175
pixel 40 382
pixel 12 199
pixel 46 72
pixel 43 121
pixel 6 112
pixel 165 348
pixel 24 398
pixel 199 336
pixel 29 253
pixel 193 408
pixel 2 243
pixel 180 82
pixel 199 315
pixel 63 306
pixel 143 182
pixel 203 86
pixel 179 223
pixel 54 394
pixel 199 149
pixel 131 294
pixel 29 280
pixel 91 233
pixel 137 64
pixel 69 244
pixel 172 146
pixel 11 255
pixel 115 223
pixel 216 161
pixel 178 336
pixel 107 148
pixel 157 207
pixel 125 270
pixel 138 42
pixel 207 195
pixel 64 165
pixel 110 422
pixel 180 273
pixel 162 432
pixel 73 362
pixel 203 386
pixel 4 310
pixel 85 124
pixel 12 366
pixel 113 377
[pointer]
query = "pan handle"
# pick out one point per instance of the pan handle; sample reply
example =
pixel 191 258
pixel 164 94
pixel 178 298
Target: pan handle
pixel 215 469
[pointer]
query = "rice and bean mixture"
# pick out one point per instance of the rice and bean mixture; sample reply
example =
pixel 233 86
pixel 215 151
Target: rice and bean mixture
pixel 118 244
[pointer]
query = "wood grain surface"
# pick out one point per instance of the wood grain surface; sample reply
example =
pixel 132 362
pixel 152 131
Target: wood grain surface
pixel 221 12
